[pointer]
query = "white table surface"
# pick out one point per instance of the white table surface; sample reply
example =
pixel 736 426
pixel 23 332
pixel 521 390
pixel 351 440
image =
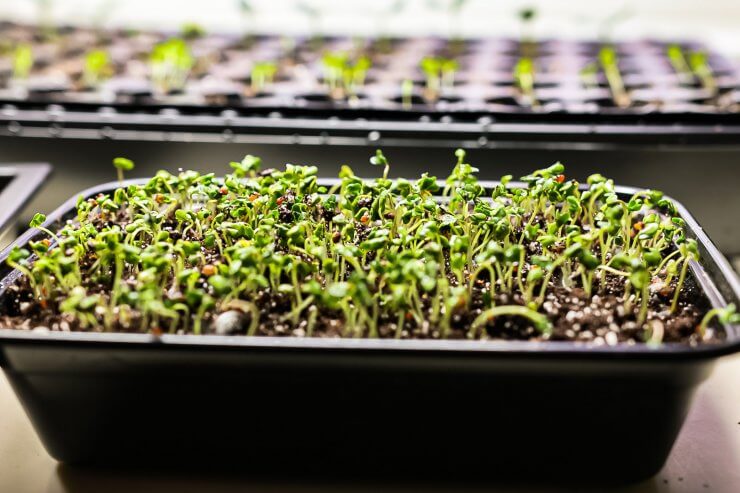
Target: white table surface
pixel 706 457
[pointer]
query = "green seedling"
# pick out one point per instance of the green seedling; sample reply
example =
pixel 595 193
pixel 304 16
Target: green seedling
pixel 727 316
pixel 22 61
pixel 263 75
pixel 448 70
pixel 678 61
pixel 122 164
pixel 610 65
pixel 699 63
pixel 407 93
pixel 170 63
pixel 440 75
pixel 432 68
pixel 540 321
pixel 97 68
pixel 524 71
pixel 344 76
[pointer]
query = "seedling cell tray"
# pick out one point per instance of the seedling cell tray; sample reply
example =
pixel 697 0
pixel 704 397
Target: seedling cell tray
pixel 17 186
pixel 115 80
pixel 469 410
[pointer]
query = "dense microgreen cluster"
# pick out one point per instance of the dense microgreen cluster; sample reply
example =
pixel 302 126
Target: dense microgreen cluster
pixel 273 251
pixel 344 74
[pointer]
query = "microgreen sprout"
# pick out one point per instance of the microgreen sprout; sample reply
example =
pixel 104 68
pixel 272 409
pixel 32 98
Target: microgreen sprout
pixel 37 222
pixel 122 164
pixel 344 76
pixel 273 252
pixel 539 320
pixel 726 315
pixel 431 67
pixel 610 65
pixel 448 68
pixel 699 63
pixel 440 75
pixel 678 60
pixel 333 64
pixel 380 160
pixel 170 63
pixel 263 74
pixel 22 61
pixel 524 71
pixel 407 93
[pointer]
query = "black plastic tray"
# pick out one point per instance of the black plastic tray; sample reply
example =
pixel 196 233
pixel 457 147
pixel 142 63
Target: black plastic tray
pixel 468 410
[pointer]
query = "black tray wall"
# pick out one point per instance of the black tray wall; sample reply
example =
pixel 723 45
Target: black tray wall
pixel 704 178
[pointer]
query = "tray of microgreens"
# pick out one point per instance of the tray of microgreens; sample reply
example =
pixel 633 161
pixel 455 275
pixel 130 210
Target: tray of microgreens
pixel 267 252
pixel 360 327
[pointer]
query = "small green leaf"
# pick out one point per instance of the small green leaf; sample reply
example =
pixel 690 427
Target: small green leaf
pixel 38 220
pixel 220 284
